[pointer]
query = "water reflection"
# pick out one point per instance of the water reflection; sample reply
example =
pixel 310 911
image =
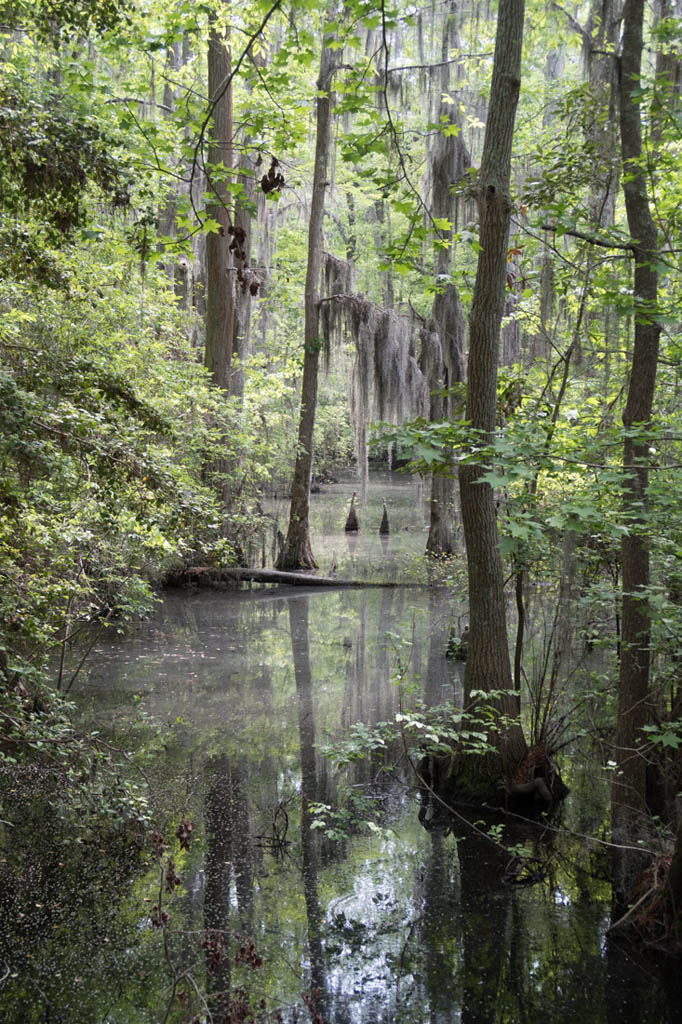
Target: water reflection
pixel 366 552
pixel 394 925
pixel 300 644
pixel 217 874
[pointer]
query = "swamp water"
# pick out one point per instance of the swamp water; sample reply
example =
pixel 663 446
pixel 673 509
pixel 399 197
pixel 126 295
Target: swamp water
pixel 283 894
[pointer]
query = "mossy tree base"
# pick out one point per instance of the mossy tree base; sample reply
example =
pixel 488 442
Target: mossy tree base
pixel 446 780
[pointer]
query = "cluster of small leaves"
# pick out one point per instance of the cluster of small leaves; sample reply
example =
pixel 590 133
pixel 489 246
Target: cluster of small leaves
pixel 665 734
pixel 273 179
pixel 248 279
pixel 362 741
pixel 240 1006
pixel 350 817
pixel 248 955
pixel 23 253
pixel 442 728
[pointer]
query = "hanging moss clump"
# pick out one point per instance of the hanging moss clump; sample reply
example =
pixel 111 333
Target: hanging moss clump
pixel 338 286
pixel 387 383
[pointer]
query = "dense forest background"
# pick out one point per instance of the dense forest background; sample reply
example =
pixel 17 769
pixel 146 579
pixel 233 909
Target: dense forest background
pixel 223 229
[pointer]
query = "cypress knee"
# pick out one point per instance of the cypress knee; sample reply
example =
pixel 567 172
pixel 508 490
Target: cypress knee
pixel 384 528
pixel 352 524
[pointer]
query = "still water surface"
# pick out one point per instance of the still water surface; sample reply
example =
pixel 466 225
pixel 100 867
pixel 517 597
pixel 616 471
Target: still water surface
pixel 384 922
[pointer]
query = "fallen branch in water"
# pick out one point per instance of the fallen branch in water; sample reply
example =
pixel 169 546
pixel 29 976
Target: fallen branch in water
pixel 206 576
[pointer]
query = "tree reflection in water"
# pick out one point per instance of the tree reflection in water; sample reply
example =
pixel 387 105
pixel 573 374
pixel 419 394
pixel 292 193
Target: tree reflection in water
pixel 300 643
pixel 228 859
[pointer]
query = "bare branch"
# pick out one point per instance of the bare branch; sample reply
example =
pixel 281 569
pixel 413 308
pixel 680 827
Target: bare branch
pixel 136 99
pixel 438 64
pixel 604 243
pixel 573 22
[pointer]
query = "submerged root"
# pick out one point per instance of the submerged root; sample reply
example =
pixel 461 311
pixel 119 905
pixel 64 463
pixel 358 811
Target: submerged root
pixel 535 786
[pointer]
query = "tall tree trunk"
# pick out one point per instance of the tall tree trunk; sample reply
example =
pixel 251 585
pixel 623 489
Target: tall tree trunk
pixel 488 666
pixel 219 283
pixel 297 551
pixel 167 215
pixel 668 70
pixel 248 281
pixel 604 30
pixel 633 708
pixel 449 163
pixel 601 40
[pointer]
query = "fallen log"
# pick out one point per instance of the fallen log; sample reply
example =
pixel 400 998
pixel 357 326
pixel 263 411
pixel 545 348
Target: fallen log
pixel 207 576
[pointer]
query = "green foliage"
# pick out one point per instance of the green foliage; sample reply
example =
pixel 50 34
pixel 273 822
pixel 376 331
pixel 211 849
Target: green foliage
pixel 53 18
pixel 333 434
pixel 52 152
pixel 107 421
pixel 442 729
pixel 439 729
pixel 668 734
pixel 340 823
pixel 361 742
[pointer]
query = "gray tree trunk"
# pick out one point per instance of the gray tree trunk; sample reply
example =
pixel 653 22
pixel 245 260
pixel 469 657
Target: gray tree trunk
pixel 604 30
pixel 219 283
pixel 633 701
pixel 488 665
pixel 250 279
pixel 297 551
pixel 601 41
pixel 445 365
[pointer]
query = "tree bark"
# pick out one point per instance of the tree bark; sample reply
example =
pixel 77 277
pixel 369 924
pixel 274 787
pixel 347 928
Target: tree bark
pixel 449 162
pixel 629 789
pixel 219 284
pixel 668 71
pixel 601 41
pixel 633 708
pixel 297 551
pixel 241 326
pixel 488 665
